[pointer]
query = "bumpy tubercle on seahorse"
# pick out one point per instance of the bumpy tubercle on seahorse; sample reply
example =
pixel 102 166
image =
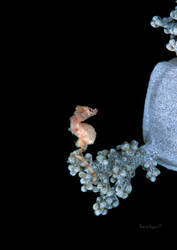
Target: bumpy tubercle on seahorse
pixel 85 132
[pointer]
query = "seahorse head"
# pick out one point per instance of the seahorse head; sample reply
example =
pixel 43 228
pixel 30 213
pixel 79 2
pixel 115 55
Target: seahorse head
pixel 85 111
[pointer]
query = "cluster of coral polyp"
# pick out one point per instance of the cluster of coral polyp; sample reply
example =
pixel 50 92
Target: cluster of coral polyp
pixel 113 170
pixel 170 27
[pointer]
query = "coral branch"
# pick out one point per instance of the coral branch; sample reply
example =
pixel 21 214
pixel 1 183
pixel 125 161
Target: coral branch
pixel 170 27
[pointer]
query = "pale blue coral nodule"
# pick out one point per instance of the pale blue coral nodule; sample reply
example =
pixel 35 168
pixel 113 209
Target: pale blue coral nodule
pixel 170 27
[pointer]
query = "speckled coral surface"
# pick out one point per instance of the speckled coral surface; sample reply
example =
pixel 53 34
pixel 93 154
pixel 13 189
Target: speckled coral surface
pixel 160 114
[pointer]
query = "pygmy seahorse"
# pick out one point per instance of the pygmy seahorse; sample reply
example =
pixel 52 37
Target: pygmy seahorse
pixel 86 133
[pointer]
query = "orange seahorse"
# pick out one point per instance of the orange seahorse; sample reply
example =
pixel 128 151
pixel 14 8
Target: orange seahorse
pixel 85 132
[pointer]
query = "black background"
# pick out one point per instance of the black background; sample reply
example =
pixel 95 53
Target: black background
pixel 101 56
